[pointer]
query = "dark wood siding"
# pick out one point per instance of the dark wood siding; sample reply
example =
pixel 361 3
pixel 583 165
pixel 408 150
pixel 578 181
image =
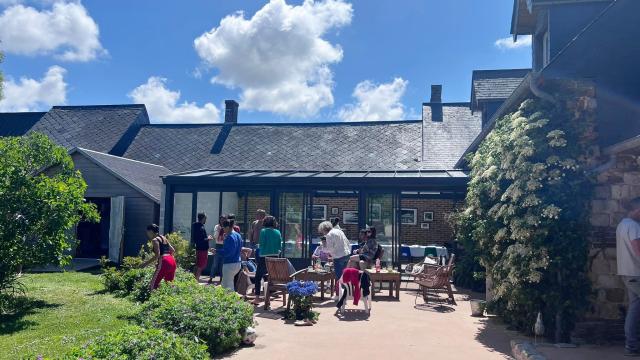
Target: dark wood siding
pixel 139 211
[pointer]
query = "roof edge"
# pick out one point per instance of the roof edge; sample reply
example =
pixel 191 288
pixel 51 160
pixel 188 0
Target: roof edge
pixel 121 157
pixel 459 103
pixel 309 124
pixel 114 106
pixel 84 152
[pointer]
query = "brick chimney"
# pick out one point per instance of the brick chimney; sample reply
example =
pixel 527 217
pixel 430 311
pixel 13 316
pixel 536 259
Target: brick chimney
pixel 230 112
pixel 436 93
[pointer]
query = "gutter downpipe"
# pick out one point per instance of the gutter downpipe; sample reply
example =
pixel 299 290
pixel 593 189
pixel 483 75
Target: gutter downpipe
pixel 536 76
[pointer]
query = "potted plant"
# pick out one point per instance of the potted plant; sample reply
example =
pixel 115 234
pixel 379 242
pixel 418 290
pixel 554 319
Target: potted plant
pixel 300 293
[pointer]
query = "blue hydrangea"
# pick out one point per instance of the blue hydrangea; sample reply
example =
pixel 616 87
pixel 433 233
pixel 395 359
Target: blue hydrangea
pixel 302 288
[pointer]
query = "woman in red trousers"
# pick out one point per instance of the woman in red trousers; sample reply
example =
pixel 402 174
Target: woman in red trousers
pixel 163 255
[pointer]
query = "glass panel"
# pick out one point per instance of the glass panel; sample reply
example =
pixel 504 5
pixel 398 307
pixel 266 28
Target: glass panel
pixel 380 215
pixel 249 206
pixel 209 203
pixel 231 205
pixel 291 223
pixel 182 213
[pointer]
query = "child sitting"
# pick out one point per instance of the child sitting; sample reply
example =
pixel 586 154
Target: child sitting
pixel 321 253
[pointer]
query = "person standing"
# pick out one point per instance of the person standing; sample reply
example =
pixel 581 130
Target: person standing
pixel 162 255
pixel 231 261
pixel 628 258
pixel 270 245
pixel 255 228
pixel 218 236
pixel 338 246
pixel 200 241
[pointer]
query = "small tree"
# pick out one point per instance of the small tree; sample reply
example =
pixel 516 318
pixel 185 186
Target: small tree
pixel 37 210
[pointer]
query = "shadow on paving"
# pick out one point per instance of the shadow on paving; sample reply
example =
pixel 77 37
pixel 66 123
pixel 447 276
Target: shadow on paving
pixel 14 322
pixel 491 334
pixel 352 315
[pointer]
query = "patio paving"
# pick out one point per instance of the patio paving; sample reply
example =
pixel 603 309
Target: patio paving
pixel 395 330
pixel 398 330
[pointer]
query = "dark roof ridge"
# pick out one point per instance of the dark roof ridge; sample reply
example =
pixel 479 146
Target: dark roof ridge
pixel 341 123
pixel 107 106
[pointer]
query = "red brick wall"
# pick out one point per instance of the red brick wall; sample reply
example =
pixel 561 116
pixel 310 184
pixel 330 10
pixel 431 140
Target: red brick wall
pixel 440 231
pixel 343 204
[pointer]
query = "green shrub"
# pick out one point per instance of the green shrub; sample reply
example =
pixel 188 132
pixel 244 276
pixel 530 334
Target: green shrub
pixel 134 282
pixel 216 316
pixel 526 213
pixel 133 342
pixel 139 289
pixel 185 254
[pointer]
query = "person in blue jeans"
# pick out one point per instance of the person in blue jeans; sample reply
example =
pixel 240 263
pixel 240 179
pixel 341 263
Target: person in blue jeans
pixel 231 261
pixel 628 261
pixel 218 236
pixel 337 245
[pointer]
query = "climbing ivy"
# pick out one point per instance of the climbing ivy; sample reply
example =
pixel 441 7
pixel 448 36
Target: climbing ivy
pixel 526 213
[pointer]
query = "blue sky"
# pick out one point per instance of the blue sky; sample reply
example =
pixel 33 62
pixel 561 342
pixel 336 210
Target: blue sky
pixel 282 62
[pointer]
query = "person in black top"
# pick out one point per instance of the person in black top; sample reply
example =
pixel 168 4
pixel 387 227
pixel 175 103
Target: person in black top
pixel 200 241
pixel 162 256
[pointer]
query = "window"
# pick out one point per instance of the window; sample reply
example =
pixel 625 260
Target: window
pixel 182 217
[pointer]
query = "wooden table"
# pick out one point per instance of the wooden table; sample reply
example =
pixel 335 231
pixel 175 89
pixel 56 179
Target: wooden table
pixel 319 276
pixel 384 276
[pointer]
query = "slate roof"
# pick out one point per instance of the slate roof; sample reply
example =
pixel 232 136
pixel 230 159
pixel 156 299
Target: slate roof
pixel 449 128
pixel 488 85
pixel 142 176
pixel 17 124
pixel 310 146
pixel 103 128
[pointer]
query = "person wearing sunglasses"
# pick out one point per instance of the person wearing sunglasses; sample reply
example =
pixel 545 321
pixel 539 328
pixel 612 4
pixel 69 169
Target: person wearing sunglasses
pixel 363 257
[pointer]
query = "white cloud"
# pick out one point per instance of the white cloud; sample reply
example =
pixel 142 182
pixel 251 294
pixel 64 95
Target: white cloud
pixel 508 43
pixel 376 102
pixel 31 95
pixel 163 106
pixel 278 57
pixel 66 31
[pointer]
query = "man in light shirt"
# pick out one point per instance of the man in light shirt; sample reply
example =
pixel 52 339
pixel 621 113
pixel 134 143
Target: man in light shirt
pixel 337 245
pixel 628 255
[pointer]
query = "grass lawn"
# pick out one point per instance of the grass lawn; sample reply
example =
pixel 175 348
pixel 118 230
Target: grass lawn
pixel 63 310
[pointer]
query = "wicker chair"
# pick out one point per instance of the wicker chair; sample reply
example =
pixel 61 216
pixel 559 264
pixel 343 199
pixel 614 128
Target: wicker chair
pixel 277 278
pixel 435 277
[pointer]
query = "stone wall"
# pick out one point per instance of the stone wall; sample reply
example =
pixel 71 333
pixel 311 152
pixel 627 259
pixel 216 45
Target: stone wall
pixel 617 181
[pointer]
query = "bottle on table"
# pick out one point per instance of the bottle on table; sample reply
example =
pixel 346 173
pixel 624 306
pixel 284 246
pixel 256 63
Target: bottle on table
pixel 377 265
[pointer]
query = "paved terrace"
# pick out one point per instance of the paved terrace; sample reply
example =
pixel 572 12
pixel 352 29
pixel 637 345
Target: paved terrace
pixel 398 331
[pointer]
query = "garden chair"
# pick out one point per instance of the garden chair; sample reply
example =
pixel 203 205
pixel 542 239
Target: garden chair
pixel 435 277
pixel 277 278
